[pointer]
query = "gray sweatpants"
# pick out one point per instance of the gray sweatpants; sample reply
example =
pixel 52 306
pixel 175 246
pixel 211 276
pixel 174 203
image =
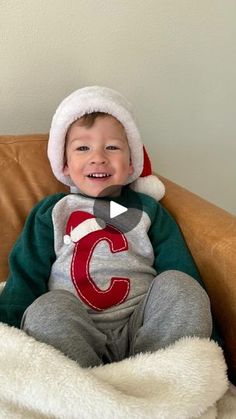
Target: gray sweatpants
pixel 175 306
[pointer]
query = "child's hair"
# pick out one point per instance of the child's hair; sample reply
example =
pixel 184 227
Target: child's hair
pixel 88 119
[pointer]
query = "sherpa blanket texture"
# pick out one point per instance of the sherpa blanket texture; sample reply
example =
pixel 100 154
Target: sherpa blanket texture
pixel 184 380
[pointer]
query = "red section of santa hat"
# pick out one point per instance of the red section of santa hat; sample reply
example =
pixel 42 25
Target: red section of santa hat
pixel 147 182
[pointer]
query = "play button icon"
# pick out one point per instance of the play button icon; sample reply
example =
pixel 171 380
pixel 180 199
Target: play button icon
pixel 116 209
pixel 123 212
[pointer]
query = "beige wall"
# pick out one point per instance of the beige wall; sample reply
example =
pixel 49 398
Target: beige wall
pixel 174 59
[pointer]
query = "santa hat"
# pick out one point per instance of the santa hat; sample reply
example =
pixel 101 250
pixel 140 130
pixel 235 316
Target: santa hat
pixel 102 99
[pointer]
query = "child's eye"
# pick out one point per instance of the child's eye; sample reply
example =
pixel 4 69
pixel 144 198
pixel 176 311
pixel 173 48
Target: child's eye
pixel 82 148
pixel 112 147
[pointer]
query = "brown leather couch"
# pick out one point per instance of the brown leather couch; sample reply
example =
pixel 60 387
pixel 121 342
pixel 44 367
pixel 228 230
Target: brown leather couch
pixel 210 232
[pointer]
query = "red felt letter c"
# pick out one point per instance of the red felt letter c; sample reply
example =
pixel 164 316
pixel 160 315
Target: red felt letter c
pixel 86 288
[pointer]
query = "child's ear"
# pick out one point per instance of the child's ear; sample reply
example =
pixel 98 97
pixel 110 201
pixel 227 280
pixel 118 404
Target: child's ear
pixel 131 168
pixel 66 171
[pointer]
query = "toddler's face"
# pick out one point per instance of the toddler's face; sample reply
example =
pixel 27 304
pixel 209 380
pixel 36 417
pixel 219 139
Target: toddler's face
pixel 98 157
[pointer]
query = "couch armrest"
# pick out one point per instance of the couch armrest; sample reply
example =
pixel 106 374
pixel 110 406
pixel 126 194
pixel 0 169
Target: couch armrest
pixel 26 178
pixel 210 233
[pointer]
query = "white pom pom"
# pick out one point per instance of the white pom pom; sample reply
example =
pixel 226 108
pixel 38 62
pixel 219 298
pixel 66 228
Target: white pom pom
pixel 67 239
pixel 149 185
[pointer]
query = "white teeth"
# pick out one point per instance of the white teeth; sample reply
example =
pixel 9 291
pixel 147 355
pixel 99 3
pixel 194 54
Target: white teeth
pixel 99 175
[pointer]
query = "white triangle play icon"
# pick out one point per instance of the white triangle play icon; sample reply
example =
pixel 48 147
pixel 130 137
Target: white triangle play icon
pixel 116 209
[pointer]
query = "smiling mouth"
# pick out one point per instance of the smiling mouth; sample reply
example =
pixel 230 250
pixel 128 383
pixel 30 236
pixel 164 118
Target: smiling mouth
pixel 98 175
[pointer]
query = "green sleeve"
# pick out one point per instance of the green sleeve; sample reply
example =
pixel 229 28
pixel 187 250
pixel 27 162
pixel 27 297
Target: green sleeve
pixel 171 251
pixel 30 263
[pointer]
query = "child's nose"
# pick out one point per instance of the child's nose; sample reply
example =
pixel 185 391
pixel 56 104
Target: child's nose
pixel 98 157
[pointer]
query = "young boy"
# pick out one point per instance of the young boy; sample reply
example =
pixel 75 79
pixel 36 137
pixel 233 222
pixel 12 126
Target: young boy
pixel 97 286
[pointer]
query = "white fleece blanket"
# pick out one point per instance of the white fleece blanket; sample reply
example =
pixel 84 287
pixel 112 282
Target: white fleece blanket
pixel 185 380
